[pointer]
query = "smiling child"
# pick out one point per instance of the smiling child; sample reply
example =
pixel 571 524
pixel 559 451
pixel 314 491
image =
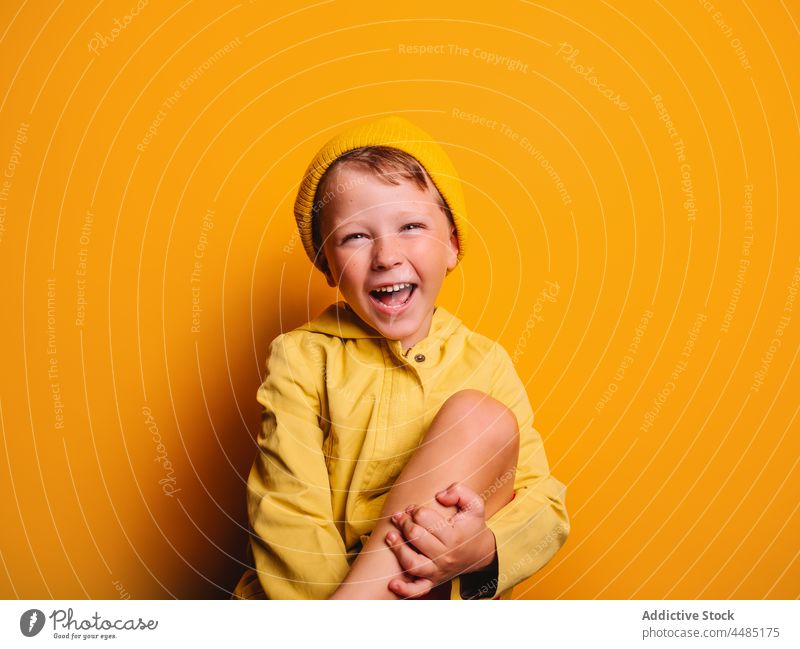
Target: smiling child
pixel 397 454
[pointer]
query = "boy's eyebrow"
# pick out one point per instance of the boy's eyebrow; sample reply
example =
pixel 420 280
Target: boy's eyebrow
pixel 362 221
pixel 411 213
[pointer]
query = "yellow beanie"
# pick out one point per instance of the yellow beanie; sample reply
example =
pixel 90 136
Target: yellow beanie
pixel 395 132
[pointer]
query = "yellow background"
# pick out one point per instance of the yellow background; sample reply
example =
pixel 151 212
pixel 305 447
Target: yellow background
pixel 690 494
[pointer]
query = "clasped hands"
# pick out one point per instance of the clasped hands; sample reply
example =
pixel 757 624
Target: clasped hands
pixel 432 549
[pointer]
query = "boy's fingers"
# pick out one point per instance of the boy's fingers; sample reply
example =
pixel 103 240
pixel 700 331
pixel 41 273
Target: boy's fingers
pixel 448 496
pixel 406 556
pixel 413 563
pixel 467 501
pixel 418 535
pixel 411 531
pixel 435 524
pixel 410 589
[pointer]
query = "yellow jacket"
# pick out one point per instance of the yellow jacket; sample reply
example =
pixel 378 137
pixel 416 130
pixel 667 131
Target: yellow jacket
pixel 344 409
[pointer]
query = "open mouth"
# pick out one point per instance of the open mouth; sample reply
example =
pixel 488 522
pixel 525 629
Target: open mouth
pixel 394 296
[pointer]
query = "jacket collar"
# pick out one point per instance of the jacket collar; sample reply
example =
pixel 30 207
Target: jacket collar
pixel 341 321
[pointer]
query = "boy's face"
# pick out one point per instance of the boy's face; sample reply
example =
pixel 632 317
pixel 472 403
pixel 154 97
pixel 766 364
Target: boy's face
pixel 376 235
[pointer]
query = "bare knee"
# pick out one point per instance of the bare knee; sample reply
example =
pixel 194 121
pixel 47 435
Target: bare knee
pixel 483 420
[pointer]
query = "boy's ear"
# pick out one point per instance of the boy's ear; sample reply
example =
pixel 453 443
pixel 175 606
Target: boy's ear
pixel 323 262
pixel 452 258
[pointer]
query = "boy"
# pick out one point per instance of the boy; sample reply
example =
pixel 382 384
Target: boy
pixel 397 454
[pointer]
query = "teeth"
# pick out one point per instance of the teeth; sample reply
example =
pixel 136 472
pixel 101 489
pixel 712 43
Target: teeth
pixel 394 287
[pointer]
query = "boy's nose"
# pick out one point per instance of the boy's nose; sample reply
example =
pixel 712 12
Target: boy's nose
pixel 385 253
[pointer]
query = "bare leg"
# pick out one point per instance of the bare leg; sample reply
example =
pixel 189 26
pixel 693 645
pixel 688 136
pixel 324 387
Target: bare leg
pixel 473 440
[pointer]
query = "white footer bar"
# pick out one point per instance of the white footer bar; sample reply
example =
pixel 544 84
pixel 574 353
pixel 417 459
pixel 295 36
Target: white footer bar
pixel 169 623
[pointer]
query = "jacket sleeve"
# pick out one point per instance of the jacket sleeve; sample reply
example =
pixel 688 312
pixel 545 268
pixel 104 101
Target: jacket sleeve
pixel 534 525
pixel 297 549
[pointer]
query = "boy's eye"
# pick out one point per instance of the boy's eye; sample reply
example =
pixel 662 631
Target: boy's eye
pixel 360 235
